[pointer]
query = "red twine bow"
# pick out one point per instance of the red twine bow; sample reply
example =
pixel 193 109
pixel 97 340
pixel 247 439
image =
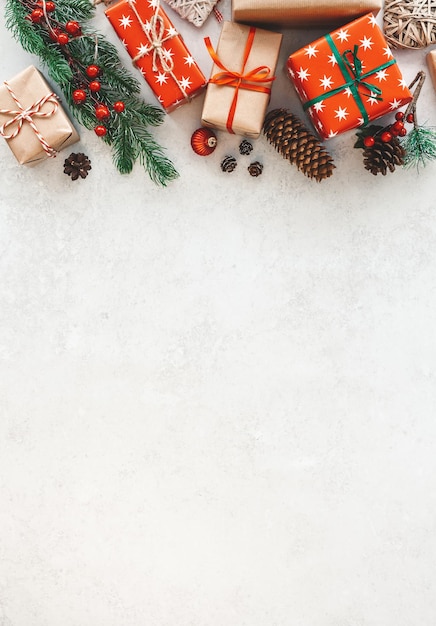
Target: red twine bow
pixel 26 115
pixel 240 80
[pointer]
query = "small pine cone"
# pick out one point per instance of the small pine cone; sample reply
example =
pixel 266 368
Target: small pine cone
pixel 245 147
pixel 228 164
pixel 255 168
pixel 383 156
pixel 296 143
pixel 77 164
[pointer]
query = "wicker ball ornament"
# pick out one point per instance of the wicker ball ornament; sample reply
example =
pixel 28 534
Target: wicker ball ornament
pixel 203 141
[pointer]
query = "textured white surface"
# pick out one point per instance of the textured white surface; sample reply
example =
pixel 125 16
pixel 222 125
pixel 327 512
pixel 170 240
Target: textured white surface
pixel 217 400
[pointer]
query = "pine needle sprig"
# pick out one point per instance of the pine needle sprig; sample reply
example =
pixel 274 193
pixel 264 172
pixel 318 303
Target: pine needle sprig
pixel 126 132
pixel 419 143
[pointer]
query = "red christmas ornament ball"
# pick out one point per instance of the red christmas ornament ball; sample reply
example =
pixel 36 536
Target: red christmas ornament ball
pixel 386 136
pixel 119 106
pixel 100 130
pixel 95 85
pixel 203 141
pixel 369 141
pixel 397 126
pixel 63 39
pixel 92 71
pixel 403 132
pixel 37 15
pixel 79 96
pixel 410 118
pixel 72 27
pixel 101 112
pixel 399 115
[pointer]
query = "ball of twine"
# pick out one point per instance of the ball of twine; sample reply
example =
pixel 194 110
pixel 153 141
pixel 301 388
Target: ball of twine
pixel 410 23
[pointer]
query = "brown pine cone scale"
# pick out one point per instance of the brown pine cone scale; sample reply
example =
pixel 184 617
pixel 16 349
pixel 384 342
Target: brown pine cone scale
pixel 383 156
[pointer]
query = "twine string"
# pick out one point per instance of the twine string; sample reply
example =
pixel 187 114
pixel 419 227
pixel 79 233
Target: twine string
pixel 22 115
pixel 410 23
pixel 155 33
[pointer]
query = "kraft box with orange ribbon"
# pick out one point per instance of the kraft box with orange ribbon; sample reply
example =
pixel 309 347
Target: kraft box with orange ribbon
pixel 157 50
pixel 242 76
pixel 32 119
pixel 348 77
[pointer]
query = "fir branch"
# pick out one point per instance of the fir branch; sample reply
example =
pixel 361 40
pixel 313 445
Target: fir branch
pixel 420 146
pixel 66 64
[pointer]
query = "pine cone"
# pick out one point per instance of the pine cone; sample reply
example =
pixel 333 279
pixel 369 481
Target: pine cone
pixel 383 156
pixel 228 164
pixel 245 147
pixel 77 164
pixel 296 143
pixel 255 168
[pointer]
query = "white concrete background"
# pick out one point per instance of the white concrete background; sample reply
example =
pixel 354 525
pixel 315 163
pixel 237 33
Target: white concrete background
pixel 217 400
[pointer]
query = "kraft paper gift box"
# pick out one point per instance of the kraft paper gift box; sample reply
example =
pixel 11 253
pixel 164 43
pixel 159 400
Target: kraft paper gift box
pixel 32 119
pixel 348 78
pixel 301 13
pixel 242 76
pixel 157 50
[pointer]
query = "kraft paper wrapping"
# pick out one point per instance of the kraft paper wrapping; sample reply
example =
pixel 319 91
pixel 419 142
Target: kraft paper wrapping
pixel 29 86
pixel 301 13
pixel 251 106
pixel 431 64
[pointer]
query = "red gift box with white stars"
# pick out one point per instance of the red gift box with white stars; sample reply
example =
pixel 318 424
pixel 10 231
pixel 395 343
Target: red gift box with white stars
pixel 348 77
pixel 157 50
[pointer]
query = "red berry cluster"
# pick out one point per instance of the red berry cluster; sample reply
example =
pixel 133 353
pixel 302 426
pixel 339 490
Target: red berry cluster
pixel 397 129
pixel 86 77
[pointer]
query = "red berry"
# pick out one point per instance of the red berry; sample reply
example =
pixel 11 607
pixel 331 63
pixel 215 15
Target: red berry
pixel 386 136
pixel 399 115
pixel 119 106
pixel 369 141
pixel 403 132
pixel 37 15
pixel 92 71
pixel 79 96
pixel 410 118
pixel 397 126
pixel 72 27
pixel 95 85
pixel 101 112
pixel 54 34
pixel 63 39
pixel 49 6
pixel 100 130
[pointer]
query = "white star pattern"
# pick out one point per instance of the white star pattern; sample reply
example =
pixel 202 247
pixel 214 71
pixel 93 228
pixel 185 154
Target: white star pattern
pixel 291 72
pixel 319 106
pixel 153 3
pixel 303 74
pixel 402 83
pixel 332 134
pixel 326 82
pixel 320 125
pixel 341 113
pixel 311 51
pixel 185 82
pixel 361 121
pixel 143 49
pixel 189 61
pixel 395 104
pixel 161 78
pixel 125 21
pixel 347 91
pixel 381 75
pixel 172 32
pixel 332 59
pixel 143 72
pixel 367 43
pixel 167 53
pixel 147 26
pixel 160 99
pixel 387 52
pixel 342 35
pixel 372 20
pixel 372 98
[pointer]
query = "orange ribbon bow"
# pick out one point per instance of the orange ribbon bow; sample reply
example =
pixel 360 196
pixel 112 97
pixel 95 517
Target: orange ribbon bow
pixel 240 80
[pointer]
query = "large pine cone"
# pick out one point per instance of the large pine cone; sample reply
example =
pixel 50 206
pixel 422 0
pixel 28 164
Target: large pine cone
pixel 296 143
pixel 383 156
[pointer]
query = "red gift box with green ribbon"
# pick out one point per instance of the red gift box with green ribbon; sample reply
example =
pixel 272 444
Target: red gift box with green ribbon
pixel 348 77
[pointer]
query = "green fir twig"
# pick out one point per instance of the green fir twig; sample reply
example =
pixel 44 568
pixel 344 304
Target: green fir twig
pixel 420 143
pixel 126 132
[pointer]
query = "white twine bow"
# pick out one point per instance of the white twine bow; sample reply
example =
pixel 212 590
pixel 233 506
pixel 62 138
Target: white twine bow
pixel 26 115
pixel 155 31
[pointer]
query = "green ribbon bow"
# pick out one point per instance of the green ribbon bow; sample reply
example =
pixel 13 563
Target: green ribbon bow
pixel 351 68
